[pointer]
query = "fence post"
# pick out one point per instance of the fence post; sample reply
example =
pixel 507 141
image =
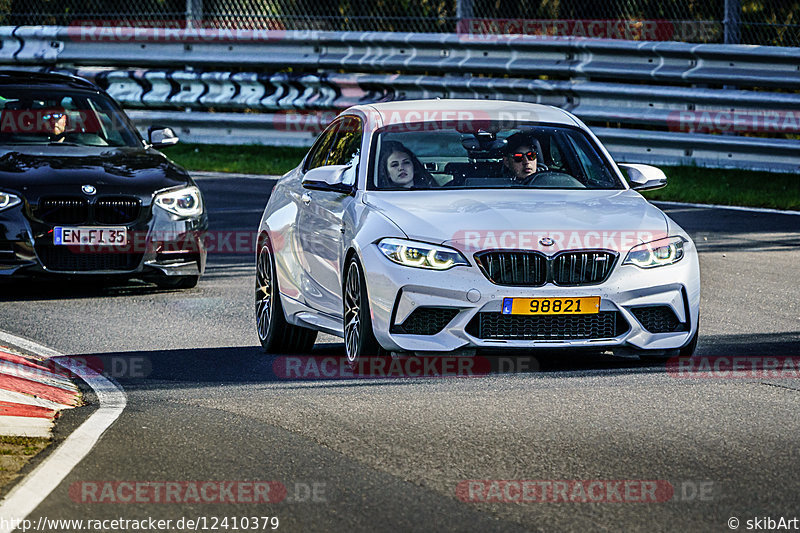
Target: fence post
pixel 733 9
pixel 194 13
pixel 463 14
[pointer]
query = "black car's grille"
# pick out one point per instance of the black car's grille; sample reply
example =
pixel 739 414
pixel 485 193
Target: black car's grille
pixel 603 325
pixel 534 269
pixel 658 319
pixel 116 210
pixel 75 210
pixel 582 268
pixel 64 210
pixel 426 321
pixel 514 267
pixel 61 258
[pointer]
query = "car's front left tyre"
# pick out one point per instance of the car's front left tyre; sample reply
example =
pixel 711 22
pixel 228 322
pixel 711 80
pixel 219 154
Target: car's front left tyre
pixel 274 332
pixel 359 338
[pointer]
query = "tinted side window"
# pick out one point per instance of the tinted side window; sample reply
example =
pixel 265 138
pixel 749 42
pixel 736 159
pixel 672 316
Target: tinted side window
pixel 347 147
pixel 319 153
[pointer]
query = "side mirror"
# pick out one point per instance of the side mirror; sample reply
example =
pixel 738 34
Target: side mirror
pixel 328 178
pixel 160 137
pixel 644 177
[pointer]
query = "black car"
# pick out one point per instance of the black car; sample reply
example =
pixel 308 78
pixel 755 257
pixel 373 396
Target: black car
pixel 81 193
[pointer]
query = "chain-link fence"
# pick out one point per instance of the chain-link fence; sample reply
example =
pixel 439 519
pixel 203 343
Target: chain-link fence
pixel 765 22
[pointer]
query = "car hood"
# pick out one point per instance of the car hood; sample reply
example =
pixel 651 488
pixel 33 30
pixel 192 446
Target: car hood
pixel 34 171
pixel 520 218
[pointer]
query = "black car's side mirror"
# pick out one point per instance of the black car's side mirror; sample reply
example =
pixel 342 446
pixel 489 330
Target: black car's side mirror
pixel 161 137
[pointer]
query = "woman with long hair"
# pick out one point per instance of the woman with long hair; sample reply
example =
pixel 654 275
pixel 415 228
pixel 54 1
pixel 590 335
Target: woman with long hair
pixel 398 167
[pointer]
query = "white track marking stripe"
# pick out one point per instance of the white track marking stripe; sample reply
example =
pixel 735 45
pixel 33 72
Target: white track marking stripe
pixel 26 496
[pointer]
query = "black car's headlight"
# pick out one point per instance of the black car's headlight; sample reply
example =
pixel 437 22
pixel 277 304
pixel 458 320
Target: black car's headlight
pixel 420 254
pixel 658 253
pixel 8 200
pixel 186 202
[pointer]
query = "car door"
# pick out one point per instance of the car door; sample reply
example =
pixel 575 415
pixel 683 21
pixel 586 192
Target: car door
pixel 294 252
pixel 321 223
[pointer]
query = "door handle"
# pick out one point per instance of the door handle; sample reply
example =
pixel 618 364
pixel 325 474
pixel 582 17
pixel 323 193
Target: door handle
pixel 306 198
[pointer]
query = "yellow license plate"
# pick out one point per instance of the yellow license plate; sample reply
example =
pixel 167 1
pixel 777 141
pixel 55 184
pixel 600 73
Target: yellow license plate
pixel 551 306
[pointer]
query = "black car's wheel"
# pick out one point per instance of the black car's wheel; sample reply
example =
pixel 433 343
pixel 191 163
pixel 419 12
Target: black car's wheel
pixel 177 282
pixel 276 335
pixel 359 338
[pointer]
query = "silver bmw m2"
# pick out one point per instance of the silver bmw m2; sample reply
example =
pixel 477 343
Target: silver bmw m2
pixel 460 225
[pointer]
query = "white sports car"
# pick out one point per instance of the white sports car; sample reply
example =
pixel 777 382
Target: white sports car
pixel 458 225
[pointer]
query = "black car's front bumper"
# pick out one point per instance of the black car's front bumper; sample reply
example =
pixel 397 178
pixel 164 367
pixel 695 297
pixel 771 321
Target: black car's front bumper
pixel 159 245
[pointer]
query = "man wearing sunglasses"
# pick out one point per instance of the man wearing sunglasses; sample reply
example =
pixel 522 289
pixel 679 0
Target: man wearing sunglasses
pixel 521 157
pixel 55 121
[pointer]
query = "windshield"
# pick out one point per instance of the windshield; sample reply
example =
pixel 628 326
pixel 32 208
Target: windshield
pixel 524 155
pixel 46 116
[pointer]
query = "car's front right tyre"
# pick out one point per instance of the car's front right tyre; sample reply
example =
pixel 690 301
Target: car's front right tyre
pixel 274 332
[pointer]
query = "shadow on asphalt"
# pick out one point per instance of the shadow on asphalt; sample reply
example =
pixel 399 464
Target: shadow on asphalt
pixel 325 366
pixel 70 289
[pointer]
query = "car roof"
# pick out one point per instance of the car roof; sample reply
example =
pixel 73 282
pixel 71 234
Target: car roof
pixel 28 78
pixel 493 110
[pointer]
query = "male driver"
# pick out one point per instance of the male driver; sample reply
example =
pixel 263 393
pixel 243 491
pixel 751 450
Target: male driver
pixel 521 157
pixel 55 121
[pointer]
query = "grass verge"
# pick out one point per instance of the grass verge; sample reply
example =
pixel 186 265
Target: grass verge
pixel 686 184
pixel 248 159
pixel 729 187
pixel 16 452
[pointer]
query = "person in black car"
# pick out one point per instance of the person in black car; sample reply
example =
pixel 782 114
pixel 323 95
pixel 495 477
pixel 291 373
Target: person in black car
pixel 55 121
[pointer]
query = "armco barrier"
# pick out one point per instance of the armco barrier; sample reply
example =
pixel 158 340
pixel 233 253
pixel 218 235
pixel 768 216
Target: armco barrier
pixel 665 97
pixel 659 148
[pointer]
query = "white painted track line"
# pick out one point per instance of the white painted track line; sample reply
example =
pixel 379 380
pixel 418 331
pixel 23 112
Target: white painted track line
pixel 39 483
pixel 729 207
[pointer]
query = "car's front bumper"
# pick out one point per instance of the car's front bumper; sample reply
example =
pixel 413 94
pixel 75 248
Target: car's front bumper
pixel 395 291
pixel 158 245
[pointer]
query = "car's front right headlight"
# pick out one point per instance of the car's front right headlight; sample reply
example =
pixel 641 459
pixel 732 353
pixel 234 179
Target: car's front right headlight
pixel 420 254
pixel 8 200
pixel 656 253
pixel 185 202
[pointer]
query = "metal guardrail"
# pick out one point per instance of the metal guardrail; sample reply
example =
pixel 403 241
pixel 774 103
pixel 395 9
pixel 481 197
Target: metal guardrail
pixel 657 93
pixel 657 148
pixel 406 52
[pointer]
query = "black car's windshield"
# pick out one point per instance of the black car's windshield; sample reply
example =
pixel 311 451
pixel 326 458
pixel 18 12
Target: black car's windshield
pixel 39 116
pixel 525 155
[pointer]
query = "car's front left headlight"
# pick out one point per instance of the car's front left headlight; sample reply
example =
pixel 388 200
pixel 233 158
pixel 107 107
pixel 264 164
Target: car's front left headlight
pixel 8 200
pixel 420 254
pixel 186 202
pixel 657 253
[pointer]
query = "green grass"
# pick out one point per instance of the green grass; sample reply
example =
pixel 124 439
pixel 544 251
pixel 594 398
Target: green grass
pixel 729 187
pixel 248 159
pixel 686 184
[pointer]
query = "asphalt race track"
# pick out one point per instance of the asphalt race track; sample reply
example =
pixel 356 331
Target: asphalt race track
pixel 388 454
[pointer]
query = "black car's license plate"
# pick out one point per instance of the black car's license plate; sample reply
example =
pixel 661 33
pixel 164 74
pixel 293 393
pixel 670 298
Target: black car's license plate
pixel 71 236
